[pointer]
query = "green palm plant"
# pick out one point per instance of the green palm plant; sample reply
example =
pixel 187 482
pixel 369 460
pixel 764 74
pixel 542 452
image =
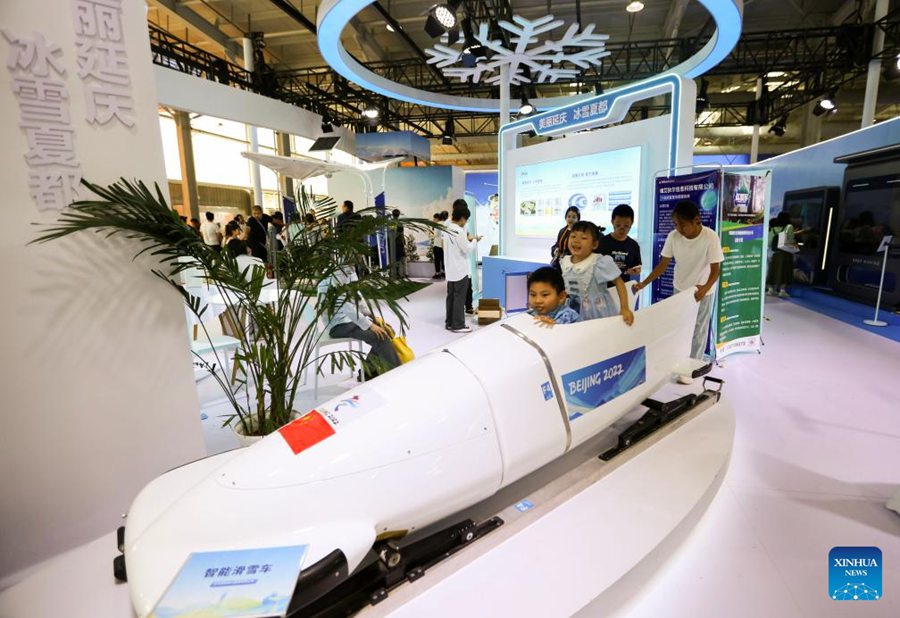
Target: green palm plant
pixel 278 340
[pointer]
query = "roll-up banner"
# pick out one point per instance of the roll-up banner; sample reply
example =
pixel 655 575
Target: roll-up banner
pixel 702 189
pixel 739 306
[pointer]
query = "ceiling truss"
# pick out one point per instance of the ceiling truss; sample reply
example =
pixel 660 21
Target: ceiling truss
pixel 812 62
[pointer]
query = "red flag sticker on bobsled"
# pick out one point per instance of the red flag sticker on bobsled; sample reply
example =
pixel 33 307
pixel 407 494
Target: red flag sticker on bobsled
pixel 309 429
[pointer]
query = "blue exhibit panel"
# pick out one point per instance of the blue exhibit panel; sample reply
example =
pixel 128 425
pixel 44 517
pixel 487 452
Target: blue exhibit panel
pixel 494 270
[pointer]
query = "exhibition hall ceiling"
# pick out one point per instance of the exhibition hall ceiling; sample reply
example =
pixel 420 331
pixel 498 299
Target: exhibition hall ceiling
pixel 288 27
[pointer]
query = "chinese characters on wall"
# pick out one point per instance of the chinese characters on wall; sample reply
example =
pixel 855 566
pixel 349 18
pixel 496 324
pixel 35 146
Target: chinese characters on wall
pixel 102 61
pixel 36 68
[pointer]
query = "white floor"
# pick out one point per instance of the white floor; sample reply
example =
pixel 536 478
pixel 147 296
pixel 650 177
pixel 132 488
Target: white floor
pixel 816 454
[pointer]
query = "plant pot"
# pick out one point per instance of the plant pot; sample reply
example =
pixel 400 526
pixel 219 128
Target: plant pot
pixel 420 270
pixel 246 440
pixel 243 439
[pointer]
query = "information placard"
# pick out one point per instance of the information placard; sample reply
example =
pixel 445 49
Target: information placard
pixel 243 583
pixel 739 303
pixel 703 190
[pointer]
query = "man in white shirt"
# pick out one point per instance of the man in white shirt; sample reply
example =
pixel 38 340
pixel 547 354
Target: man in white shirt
pixel 698 259
pixel 209 231
pixel 457 247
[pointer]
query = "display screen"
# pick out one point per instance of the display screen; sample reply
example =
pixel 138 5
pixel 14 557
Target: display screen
pixel 806 210
pixel 595 183
pixel 871 211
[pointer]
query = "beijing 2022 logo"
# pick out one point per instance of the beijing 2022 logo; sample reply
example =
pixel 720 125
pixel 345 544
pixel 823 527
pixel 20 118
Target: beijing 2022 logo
pixel 854 574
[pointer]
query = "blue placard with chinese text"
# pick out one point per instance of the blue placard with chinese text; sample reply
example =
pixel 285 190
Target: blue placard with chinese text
pixel 594 385
pixel 243 583
pixel 703 190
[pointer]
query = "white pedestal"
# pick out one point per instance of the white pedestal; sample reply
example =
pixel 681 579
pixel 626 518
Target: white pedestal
pixel 597 532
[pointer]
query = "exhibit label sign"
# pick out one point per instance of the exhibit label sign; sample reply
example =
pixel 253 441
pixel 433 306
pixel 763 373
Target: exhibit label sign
pixel 243 583
pixel 703 190
pixel 594 385
pixel 739 303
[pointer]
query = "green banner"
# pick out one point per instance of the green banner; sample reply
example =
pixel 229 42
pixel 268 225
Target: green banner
pixel 741 285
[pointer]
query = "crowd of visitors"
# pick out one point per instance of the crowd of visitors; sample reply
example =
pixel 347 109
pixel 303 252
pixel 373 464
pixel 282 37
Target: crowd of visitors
pixel 584 264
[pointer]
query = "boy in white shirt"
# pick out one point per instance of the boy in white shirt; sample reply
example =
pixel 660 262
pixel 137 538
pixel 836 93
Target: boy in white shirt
pixel 212 237
pixel 698 259
pixel 457 247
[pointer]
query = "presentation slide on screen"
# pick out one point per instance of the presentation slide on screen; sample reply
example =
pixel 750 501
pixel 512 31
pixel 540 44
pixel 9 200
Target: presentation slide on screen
pixel 595 183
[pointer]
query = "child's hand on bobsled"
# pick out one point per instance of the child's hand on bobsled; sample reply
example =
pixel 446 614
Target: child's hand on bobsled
pixel 627 315
pixel 544 320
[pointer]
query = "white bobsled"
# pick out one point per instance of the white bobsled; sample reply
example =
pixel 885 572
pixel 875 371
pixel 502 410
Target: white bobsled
pixel 411 447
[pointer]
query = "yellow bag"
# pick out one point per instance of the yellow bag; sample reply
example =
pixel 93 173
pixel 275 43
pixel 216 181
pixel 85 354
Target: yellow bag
pixel 404 352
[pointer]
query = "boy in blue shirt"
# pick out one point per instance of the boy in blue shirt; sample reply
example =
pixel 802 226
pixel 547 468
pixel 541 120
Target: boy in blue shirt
pixel 547 298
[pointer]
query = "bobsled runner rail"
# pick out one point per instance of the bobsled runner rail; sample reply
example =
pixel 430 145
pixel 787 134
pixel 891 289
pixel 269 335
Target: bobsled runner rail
pixel 325 589
pixel 661 414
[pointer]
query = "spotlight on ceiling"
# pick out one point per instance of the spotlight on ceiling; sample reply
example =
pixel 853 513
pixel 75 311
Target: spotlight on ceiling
pixel 327 127
pixel 389 27
pixel 892 69
pixel 635 6
pixel 370 112
pixel 779 127
pixel 448 134
pixel 526 108
pixel 702 96
pixel 826 105
pixel 442 18
pixel 473 51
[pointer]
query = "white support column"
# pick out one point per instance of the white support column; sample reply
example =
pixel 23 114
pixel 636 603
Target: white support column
pixel 874 74
pixel 252 135
pixel 754 141
pixel 504 101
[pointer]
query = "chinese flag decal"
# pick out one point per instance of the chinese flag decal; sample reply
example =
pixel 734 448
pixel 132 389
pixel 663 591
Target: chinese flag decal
pixel 306 431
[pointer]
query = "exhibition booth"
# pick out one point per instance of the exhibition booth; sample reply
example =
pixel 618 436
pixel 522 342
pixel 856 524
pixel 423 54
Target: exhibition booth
pixel 515 470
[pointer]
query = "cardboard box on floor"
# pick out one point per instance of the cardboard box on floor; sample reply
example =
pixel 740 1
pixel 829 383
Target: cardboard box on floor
pixel 489 310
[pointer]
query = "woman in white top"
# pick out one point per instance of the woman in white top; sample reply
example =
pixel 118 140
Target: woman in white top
pixel 781 269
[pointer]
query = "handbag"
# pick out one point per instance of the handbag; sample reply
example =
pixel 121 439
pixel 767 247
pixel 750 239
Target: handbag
pixel 784 245
pixel 404 352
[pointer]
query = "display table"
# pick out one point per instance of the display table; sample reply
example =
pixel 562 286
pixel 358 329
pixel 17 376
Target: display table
pixel 595 532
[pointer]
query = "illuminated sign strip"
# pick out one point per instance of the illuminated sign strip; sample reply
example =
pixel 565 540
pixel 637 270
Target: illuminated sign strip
pixel 334 16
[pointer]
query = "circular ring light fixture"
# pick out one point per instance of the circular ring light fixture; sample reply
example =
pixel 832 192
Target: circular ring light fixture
pixel 334 15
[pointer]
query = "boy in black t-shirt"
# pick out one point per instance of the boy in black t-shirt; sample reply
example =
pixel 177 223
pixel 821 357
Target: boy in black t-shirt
pixel 619 246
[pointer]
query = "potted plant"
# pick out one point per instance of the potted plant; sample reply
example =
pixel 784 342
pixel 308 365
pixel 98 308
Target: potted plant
pixel 278 340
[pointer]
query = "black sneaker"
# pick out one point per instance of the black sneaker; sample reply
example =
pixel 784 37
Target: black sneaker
pixel 702 371
pixel 470 312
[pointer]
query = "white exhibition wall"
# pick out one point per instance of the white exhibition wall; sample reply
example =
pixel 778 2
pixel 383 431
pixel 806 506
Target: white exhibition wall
pixel 654 158
pixel 188 93
pixel 420 192
pixel 98 389
pixel 814 165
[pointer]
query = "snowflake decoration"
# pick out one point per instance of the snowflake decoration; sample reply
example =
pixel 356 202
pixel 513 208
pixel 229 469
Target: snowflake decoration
pixel 543 60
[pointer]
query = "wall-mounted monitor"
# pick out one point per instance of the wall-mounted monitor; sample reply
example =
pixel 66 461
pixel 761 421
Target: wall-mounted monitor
pixel 595 183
